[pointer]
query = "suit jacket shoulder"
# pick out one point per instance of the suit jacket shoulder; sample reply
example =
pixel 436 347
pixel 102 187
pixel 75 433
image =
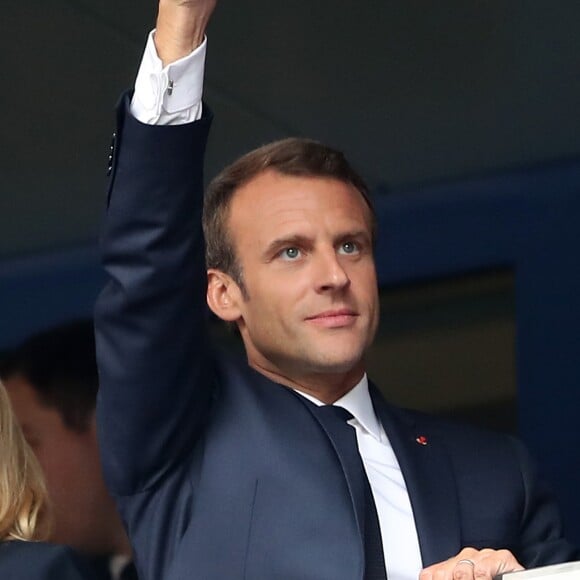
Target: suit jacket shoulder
pixel 482 484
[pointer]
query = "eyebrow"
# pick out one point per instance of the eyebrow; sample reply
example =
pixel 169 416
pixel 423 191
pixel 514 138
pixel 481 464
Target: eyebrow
pixel 279 243
pixel 358 234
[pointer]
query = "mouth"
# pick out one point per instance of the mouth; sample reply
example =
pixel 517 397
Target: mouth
pixel 338 318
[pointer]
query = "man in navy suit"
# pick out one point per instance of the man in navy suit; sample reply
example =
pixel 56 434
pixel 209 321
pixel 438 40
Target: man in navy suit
pixel 234 470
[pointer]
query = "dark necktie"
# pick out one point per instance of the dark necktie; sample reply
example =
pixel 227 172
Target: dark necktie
pixel 344 438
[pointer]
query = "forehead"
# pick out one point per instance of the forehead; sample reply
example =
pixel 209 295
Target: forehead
pixel 272 201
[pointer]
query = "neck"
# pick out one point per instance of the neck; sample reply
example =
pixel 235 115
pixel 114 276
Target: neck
pixel 121 544
pixel 114 540
pixel 326 387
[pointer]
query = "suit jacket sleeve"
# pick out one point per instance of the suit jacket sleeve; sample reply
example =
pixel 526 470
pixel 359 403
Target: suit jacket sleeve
pixel 150 318
pixel 541 539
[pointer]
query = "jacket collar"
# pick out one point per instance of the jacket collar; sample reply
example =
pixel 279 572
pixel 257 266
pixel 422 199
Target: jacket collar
pixel 358 403
pixel 428 474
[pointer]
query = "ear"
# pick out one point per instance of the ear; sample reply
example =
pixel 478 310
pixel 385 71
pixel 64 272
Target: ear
pixel 223 296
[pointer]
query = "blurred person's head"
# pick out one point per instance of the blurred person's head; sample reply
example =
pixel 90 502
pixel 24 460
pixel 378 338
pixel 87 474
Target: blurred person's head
pixel 52 382
pixel 22 489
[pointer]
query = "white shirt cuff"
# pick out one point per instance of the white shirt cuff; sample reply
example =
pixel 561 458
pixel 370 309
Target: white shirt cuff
pixel 170 95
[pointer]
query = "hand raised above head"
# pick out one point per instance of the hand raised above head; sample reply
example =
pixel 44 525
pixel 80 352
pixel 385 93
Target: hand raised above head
pixel 472 564
pixel 181 26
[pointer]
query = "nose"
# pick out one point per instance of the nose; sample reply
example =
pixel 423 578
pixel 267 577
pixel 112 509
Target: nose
pixel 330 274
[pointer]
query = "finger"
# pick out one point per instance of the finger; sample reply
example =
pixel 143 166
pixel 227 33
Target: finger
pixel 494 563
pixel 443 571
pixel 464 569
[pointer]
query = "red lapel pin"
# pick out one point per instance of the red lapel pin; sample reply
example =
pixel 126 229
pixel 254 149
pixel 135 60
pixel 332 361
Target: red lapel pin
pixel 421 440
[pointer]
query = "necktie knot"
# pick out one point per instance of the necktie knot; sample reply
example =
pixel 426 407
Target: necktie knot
pixel 339 413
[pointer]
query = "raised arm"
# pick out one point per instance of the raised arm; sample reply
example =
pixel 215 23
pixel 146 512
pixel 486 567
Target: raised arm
pixel 151 316
pixel 181 27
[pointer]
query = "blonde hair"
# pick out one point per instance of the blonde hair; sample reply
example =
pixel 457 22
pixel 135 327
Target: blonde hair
pixel 22 489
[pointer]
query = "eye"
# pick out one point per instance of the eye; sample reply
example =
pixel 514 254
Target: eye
pixel 348 248
pixel 290 254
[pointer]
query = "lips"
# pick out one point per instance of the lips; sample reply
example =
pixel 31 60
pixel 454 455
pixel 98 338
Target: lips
pixel 336 318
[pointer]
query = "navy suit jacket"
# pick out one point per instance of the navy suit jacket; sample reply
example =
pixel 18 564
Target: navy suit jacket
pixel 220 473
pixel 40 561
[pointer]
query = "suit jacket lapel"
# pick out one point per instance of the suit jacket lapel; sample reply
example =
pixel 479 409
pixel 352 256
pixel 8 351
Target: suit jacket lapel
pixel 428 474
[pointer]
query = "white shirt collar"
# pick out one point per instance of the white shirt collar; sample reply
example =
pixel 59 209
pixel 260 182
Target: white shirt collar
pixel 358 403
pixel 117 565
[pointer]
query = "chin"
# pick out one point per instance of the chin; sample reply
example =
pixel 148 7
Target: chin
pixel 338 364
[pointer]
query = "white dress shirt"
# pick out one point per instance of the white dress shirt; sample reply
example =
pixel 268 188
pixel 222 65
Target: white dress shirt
pixel 398 531
pixel 117 565
pixel 172 96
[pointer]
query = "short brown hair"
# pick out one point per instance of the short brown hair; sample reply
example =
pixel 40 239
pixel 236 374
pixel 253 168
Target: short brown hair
pixel 292 156
pixel 60 365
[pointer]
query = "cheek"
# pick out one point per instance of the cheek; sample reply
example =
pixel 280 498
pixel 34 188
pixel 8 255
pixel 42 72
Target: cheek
pixel 367 283
pixel 58 467
pixel 273 296
pixel 67 466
